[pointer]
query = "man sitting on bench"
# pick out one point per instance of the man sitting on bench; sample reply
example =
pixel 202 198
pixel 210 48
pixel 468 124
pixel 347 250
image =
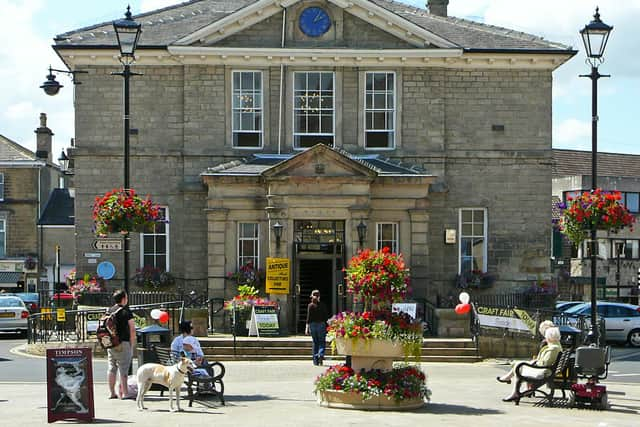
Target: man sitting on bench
pixel 188 345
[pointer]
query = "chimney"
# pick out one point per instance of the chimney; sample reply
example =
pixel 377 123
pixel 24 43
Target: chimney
pixel 43 140
pixel 437 7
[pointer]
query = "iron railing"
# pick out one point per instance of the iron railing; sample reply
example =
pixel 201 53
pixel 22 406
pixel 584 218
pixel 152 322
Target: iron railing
pixel 191 299
pixel 79 325
pixel 521 300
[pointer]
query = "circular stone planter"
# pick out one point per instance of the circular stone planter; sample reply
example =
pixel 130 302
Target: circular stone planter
pixel 350 400
pixel 370 354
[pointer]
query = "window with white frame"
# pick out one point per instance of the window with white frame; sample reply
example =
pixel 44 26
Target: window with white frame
pixel 154 249
pixel 247 109
pixel 380 110
pixel 473 240
pixel 248 243
pixel 313 109
pixel 3 238
pixel 1 186
pixel 387 235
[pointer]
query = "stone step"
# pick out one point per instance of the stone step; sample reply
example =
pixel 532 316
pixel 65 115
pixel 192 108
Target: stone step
pixel 306 342
pixel 292 351
pixel 330 360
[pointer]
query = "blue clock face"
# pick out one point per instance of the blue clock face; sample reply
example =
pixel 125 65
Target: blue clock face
pixel 314 21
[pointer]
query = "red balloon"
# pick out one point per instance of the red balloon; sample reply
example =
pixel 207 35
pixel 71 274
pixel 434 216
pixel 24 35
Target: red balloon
pixel 465 308
pixel 164 317
pixel 458 309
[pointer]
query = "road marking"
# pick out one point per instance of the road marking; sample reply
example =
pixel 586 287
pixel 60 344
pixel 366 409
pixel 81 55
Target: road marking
pixel 626 375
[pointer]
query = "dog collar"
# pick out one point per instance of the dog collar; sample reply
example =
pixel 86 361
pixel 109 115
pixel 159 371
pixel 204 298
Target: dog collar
pixel 181 371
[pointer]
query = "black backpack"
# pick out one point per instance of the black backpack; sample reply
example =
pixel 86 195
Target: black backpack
pixel 107 331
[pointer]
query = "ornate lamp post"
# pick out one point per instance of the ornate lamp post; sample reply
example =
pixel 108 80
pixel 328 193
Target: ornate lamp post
pixel 594 36
pixel 128 33
pixel 362 232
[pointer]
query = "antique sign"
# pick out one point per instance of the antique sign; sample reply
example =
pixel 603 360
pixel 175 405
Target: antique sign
pixel 278 273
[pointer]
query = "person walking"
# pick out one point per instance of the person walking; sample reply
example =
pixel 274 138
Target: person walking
pixel 119 357
pixel 317 316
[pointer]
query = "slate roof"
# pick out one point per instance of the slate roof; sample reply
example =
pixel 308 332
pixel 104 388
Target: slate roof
pixel 576 162
pixel 165 26
pixel 11 151
pixel 59 209
pixel 258 163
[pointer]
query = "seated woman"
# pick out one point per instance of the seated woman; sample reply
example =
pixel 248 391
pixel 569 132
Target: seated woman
pixel 187 344
pixel 545 358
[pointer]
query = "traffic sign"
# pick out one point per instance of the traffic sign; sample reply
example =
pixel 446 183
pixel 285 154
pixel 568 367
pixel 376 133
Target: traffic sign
pixel 107 244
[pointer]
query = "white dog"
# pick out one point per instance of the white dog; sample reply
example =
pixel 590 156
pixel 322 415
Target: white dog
pixel 171 377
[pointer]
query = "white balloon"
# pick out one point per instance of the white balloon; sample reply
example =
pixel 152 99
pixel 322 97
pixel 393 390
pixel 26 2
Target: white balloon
pixel 464 298
pixel 155 313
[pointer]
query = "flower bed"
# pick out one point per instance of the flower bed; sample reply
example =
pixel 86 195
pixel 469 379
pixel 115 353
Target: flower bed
pixel 123 211
pixel 599 209
pixel 403 383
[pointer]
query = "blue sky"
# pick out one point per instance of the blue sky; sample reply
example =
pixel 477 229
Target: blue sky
pixel 28 27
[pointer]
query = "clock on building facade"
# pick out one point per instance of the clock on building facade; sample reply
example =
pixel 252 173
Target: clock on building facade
pixel 314 21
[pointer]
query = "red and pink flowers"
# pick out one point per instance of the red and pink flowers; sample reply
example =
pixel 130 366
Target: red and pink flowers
pixel 123 210
pixel 600 209
pixel 407 382
pixel 380 277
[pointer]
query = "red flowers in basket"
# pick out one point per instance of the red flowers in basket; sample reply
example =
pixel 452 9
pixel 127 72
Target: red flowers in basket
pixel 123 211
pixel 600 209
pixel 381 277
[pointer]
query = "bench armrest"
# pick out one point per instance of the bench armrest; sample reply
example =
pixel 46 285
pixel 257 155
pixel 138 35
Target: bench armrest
pixel 545 370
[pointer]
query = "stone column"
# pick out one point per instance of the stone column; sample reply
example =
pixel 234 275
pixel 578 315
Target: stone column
pixel 216 242
pixel 418 257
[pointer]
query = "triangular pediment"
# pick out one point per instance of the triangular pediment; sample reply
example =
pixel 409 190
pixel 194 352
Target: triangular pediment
pixel 248 17
pixel 321 161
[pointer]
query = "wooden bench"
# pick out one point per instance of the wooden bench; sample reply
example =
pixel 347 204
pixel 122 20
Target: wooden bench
pixel 197 385
pixel 559 376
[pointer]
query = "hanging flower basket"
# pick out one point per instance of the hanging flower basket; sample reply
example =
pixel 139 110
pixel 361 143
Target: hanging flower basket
pixel 599 209
pixel 123 211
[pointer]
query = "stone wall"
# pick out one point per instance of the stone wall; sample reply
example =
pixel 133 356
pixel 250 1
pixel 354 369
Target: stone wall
pixel 20 209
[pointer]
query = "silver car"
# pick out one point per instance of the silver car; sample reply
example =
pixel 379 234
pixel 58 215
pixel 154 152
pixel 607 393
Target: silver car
pixel 622 321
pixel 13 315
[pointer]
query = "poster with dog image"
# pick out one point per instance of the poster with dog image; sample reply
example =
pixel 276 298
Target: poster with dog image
pixel 69 384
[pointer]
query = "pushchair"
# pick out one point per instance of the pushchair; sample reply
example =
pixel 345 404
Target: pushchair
pixel 592 364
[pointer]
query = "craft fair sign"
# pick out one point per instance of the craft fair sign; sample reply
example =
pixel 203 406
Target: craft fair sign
pixel 278 274
pixel 506 318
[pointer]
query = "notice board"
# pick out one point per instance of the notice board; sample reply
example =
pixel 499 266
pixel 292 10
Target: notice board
pixel 264 321
pixel 69 384
pixel 278 273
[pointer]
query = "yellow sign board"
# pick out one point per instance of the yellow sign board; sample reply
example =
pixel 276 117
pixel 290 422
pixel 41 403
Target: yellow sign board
pixel 278 274
pixel 46 313
pixel 61 314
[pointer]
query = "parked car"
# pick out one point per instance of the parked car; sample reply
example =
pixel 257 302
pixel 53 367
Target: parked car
pixel 565 305
pixel 622 321
pixel 13 315
pixel 30 299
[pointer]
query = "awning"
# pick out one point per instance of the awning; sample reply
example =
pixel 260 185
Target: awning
pixel 9 279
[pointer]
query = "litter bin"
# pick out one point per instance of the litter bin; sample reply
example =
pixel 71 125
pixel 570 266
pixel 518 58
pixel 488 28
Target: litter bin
pixel 148 337
pixel 569 337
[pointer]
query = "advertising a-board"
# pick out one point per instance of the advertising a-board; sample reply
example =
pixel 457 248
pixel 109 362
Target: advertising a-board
pixel 69 384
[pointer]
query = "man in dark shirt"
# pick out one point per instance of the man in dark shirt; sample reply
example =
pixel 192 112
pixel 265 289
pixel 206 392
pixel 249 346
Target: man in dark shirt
pixel 317 316
pixel 119 357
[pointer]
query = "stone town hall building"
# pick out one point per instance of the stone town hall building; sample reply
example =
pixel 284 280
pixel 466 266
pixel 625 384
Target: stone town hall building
pixel 319 115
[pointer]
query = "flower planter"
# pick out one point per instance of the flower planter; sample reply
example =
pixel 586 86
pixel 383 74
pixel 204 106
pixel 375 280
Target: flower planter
pixel 350 400
pixel 370 354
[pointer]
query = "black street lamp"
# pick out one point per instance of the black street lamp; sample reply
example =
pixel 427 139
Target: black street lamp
pixel 51 86
pixel 594 36
pixel 128 33
pixel 277 231
pixel 362 233
pixel 64 161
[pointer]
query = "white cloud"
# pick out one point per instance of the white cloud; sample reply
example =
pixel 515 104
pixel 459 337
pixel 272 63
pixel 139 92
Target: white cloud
pixel 573 134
